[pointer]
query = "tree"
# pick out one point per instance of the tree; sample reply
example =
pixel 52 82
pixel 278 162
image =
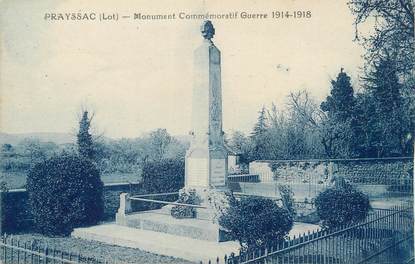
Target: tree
pixel 274 146
pixel 65 192
pixel 84 138
pixel 390 56
pixel 261 126
pixel 255 221
pixel 163 176
pixel 293 133
pixel 393 34
pixel 339 127
pixel 7 148
pixel 175 150
pixel 386 117
pixel 259 136
pixel 339 104
pixel 304 109
pixel 32 148
pixel 159 140
pixel 241 144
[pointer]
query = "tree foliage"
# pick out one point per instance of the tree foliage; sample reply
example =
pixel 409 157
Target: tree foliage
pixel 292 133
pixel 84 138
pixel 339 125
pixel 392 34
pixel 386 118
pixel 65 192
pixel 287 197
pixel 126 155
pixel 259 136
pixel 163 176
pixel 254 221
pixel 341 205
pixel 339 104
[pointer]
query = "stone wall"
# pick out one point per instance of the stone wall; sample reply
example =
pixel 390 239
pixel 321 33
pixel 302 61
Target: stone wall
pixel 376 177
pixel 16 211
pixel 361 171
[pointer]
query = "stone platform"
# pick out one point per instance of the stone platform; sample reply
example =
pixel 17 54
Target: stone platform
pixel 161 221
pixel 157 242
pixel 167 244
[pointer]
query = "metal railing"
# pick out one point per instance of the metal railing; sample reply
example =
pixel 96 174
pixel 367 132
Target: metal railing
pixel 243 178
pixel 135 198
pixel 148 203
pixel 386 235
pixel 15 251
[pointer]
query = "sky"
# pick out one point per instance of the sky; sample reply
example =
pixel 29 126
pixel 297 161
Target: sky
pixel 137 75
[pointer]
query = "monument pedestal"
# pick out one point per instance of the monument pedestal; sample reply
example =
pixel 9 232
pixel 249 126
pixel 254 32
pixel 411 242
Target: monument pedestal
pixel 203 227
pixel 200 228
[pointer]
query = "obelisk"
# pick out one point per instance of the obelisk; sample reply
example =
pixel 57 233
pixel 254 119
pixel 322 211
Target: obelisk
pixel 207 157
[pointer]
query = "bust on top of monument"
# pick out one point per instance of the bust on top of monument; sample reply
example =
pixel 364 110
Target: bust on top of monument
pixel 207 29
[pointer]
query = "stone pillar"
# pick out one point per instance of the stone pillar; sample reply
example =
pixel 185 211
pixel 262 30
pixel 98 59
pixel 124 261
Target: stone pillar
pixel 207 157
pixel 124 209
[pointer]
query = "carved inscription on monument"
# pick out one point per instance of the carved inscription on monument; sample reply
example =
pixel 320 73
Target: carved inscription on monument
pixel 197 169
pixel 218 172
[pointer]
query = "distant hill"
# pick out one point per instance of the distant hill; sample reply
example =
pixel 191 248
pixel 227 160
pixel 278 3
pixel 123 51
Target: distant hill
pixel 58 138
pixel 61 138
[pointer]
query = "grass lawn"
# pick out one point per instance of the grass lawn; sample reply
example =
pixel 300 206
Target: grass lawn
pixel 16 180
pixel 98 250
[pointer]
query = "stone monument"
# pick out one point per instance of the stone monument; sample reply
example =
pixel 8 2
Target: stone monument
pixel 207 157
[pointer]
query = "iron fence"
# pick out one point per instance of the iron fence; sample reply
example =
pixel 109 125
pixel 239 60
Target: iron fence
pixel 386 236
pixel 15 251
pixel 243 178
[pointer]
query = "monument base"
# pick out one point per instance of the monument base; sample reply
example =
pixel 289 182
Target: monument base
pixel 160 221
pixel 203 226
pixel 194 250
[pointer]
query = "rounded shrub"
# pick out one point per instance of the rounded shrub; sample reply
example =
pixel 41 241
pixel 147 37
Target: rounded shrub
pixel 161 176
pixel 339 206
pixel 254 221
pixel 65 192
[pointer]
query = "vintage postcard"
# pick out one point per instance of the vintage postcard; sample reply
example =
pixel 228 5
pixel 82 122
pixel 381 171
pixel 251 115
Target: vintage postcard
pixel 207 131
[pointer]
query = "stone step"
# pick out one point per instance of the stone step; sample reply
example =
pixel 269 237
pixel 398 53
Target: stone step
pixel 160 243
pixel 159 221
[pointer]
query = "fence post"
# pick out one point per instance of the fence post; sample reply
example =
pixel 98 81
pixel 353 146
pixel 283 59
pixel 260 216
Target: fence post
pixel 53 254
pixel 24 253
pixel 18 251
pixel 11 249
pixel 46 251
pixel 31 252
pixel 3 239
